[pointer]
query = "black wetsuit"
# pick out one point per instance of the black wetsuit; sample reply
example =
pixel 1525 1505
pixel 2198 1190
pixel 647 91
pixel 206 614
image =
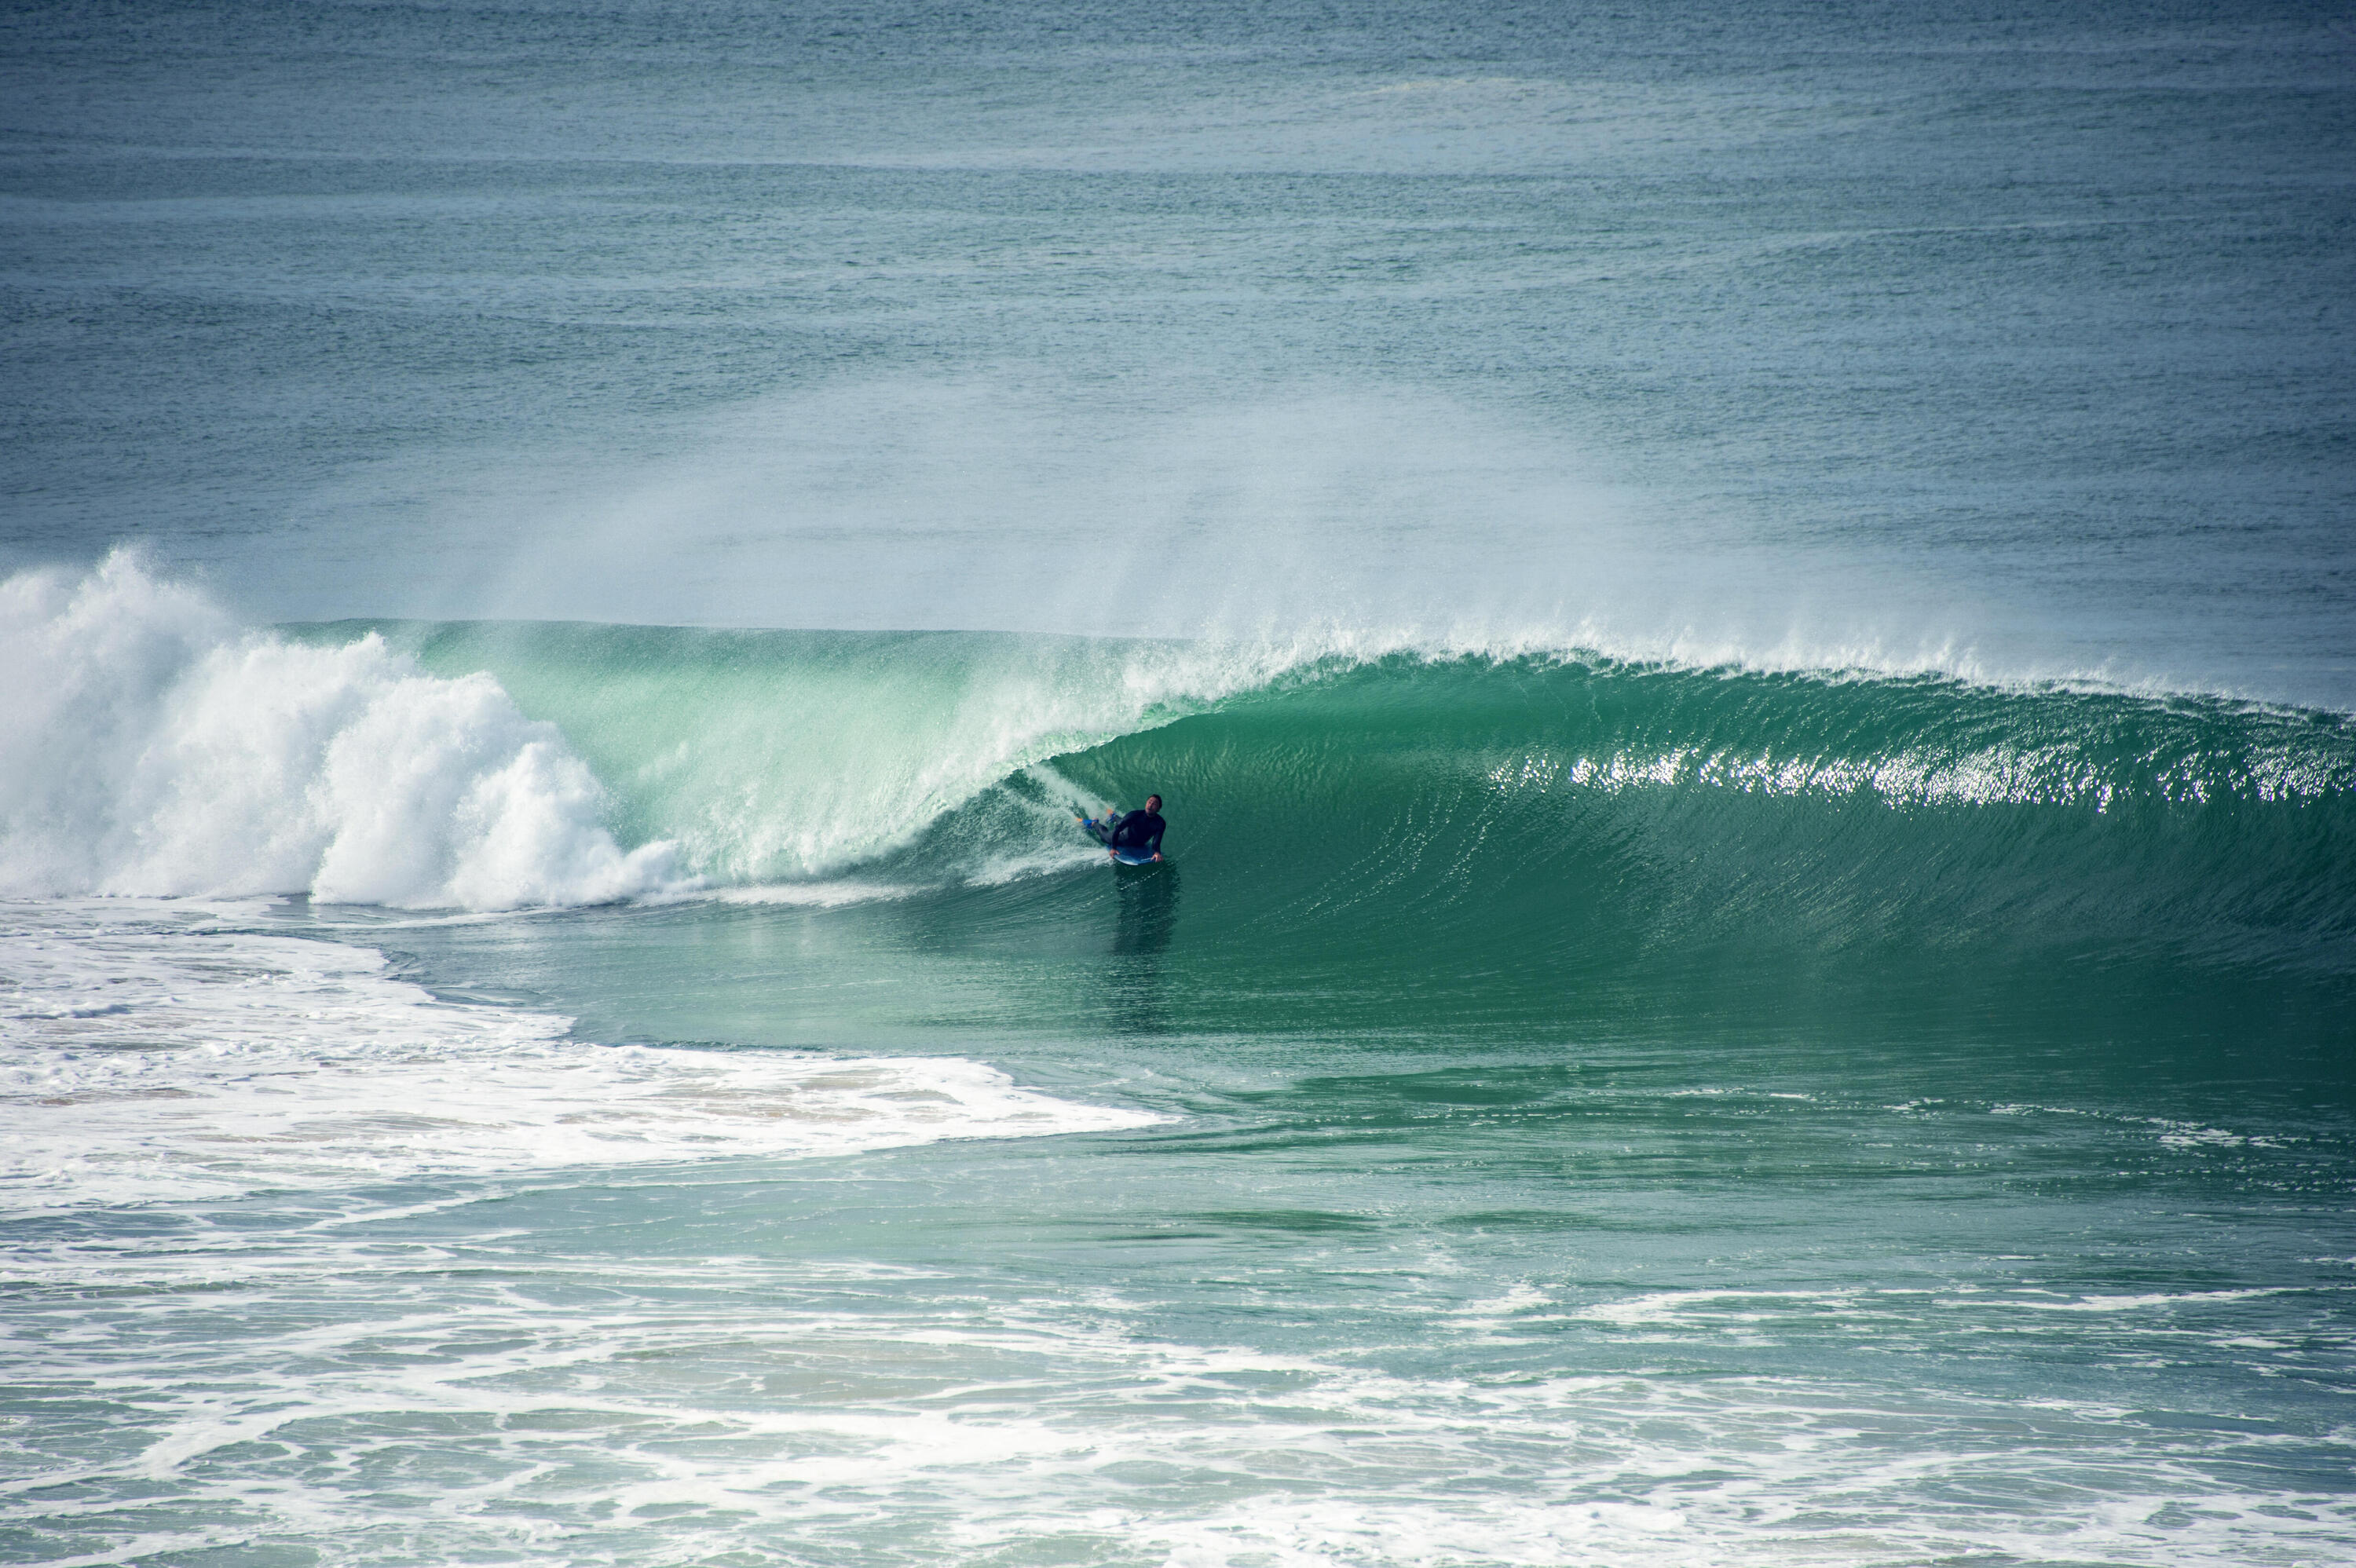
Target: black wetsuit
pixel 1139 833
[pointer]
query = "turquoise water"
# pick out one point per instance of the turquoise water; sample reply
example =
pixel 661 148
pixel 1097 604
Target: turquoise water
pixel 1744 617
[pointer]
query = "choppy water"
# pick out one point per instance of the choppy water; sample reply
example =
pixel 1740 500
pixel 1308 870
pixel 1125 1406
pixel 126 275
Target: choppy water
pixel 1744 617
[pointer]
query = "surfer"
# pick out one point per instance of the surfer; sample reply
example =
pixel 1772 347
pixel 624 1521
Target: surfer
pixel 1136 836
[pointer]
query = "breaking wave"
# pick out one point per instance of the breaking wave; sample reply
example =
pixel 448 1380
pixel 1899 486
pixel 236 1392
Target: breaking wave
pixel 1546 802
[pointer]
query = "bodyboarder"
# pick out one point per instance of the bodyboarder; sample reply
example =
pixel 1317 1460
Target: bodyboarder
pixel 1136 837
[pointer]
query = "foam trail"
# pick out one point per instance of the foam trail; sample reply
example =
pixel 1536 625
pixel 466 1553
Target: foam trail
pixel 156 1051
pixel 149 746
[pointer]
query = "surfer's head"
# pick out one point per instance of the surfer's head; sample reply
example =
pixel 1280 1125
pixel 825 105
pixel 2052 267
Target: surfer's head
pixel 1153 803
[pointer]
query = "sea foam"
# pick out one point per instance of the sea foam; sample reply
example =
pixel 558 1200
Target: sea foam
pixel 165 1050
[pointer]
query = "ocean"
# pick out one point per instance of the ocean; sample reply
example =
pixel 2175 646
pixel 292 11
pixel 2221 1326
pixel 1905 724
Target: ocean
pixel 1746 617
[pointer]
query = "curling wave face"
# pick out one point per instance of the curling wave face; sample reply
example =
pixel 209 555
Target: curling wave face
pixel 1332 794
pixel 1582 813
pixel 1337 798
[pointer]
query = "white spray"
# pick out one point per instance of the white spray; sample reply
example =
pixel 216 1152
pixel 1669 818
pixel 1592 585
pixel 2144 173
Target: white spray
pixel 148 745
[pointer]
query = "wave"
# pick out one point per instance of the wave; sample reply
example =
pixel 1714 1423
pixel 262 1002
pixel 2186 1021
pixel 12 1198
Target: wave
pixel 1341 795
pixel 1329 789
